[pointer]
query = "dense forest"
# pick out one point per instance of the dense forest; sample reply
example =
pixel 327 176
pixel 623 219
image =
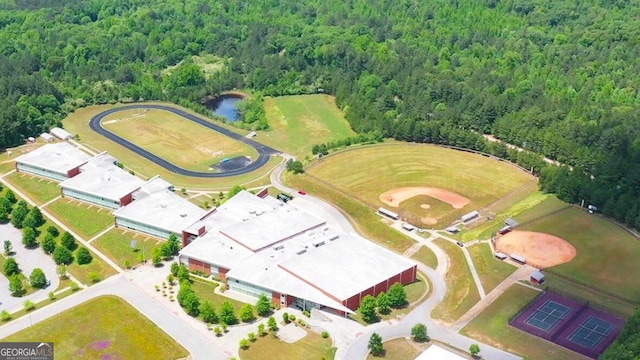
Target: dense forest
pixel 558 78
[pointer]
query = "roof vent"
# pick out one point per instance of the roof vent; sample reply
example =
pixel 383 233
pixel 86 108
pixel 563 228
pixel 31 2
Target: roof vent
pixel 183 215
pixel 163 205
pixel 334 237
pixel 318 243
pixel 301 251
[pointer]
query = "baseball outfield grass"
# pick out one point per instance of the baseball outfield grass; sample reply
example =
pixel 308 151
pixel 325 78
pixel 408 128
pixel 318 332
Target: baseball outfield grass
pixel 301 121
pixel 492 327
pixel 174 138
pixel 103 328
pixel 77 123
pixel 491 271
pixel 462 293
pixel 368 171
pixel 606 253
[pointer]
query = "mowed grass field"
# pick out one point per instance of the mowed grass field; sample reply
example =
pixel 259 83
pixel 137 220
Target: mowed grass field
pixel 85 219
pixel 103 328
pixel 367 172
pixel 165 134
pixel 606 253
pixel 312 346
pixel 78 123
pixel 36 188
pixel 301 121
pixel 492 327
pixel 491 271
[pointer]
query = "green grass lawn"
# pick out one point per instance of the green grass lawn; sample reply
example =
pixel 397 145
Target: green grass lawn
pixel 77 123
pixel 104 327
pixel 37 189
pixel 401 349
pixel 175 138
pixel 366 172
pixel 462 293
pixel 312 346
pixel 426 256
pixel 116 244
pixel 298 122
pixel 606 253
pixel 205 289
pixel 43 303
pixel 84 219
pixel 96 269
pixel 491 271
pixel 492 327
pixel 365 219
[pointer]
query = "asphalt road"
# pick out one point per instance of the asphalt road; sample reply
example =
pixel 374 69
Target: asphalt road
pixel 264 152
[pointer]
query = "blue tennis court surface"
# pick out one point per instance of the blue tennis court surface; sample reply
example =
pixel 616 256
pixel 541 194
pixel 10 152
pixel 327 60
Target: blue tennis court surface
pixel 591 332
pixel 548 315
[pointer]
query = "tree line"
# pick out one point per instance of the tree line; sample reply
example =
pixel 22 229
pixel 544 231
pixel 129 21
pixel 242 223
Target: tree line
pixel 555 78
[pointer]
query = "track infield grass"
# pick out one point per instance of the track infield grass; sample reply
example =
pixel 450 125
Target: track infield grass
pixel 364 219
pixel 116 244
pixel 426 256
pixel 77 123
pixel 84 219
pixel 104 327
pixel 368 171
pixel 174 138
pixel 490 270
pixel 298 122
pixel 606 253
pixel 312 346
pixel 462 293
pixel 492 327
pixel 38 189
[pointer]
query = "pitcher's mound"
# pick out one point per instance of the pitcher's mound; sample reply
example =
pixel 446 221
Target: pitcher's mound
pixel 540 249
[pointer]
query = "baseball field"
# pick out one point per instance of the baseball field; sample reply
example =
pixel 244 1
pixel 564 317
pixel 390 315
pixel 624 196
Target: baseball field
pixel 165 134
pixel 425 184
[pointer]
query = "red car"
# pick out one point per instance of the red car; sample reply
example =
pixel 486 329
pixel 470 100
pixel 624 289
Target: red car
pixel 302 192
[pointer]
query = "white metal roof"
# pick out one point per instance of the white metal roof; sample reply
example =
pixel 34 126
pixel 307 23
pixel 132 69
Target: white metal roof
pixel 61 133
pixel 60 157
pixel 161 208
pixel 100 177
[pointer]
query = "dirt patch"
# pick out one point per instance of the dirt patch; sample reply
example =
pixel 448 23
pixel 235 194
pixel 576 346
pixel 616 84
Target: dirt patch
pixel 540 249
pixel 429 221
pixel 425 206
pixel 394 197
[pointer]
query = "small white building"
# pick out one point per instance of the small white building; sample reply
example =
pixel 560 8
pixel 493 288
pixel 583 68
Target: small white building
pixel 55 161
pixel 436 352
pixel 47 137
pixel 61 133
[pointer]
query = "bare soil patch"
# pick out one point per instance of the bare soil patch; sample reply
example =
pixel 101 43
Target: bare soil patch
pixel 394 197
pixel 540 249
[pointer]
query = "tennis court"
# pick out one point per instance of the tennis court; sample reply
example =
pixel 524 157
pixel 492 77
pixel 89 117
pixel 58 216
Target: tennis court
pixel 548 315
pixel 591 332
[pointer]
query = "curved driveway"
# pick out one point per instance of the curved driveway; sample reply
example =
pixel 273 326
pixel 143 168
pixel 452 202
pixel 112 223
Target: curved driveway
pixel 264 152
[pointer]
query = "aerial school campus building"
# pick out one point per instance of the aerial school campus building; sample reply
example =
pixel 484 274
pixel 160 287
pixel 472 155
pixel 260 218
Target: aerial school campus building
pixel 256 243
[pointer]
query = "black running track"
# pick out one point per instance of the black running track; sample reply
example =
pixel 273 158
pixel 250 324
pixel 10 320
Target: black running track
pixel 264 152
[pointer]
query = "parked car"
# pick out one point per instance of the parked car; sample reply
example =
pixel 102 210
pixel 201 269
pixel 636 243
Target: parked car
pixel 302 192
pixel 459 243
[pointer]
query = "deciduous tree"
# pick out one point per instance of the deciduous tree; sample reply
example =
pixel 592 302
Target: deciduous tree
pixel 368 309
pixel 83 256
pixel 419 333
pixel 263 305
pixel 62 255
pixel 375 345
pixel 246 313
pixel 37 279
pixel 11 267
pixel 208 313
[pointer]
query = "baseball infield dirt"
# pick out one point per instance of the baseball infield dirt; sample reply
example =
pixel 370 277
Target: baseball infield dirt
pixel 394 197
pixel 540 249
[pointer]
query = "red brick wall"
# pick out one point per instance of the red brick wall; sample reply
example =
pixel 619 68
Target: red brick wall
pixel 127 199
pixel 196 265
pixel 223 273
pixel 408 276
pixel 383 286
pixel 263 193
pixel 185 238
pixel 369 291
pixel 394 279
pixel 73 172
pixel 352 302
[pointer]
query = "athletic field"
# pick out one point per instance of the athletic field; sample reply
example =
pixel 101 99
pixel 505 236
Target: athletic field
pixel 78 123
pixel 301 121
pixel 176 139
pixel 438 178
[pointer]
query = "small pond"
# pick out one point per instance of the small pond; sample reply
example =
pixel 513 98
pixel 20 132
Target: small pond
pixel 225 106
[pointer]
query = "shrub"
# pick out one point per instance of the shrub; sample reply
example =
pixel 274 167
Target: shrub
pixel 325 334
pixel 5 316
pixel 29 305
pixel 74 287
pixel 83 256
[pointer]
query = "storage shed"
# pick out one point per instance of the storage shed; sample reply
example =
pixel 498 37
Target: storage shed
pixel 61 133
pixel 47 137
pixel 537 277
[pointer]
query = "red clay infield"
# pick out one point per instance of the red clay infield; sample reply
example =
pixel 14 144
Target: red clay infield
pixel 540 249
